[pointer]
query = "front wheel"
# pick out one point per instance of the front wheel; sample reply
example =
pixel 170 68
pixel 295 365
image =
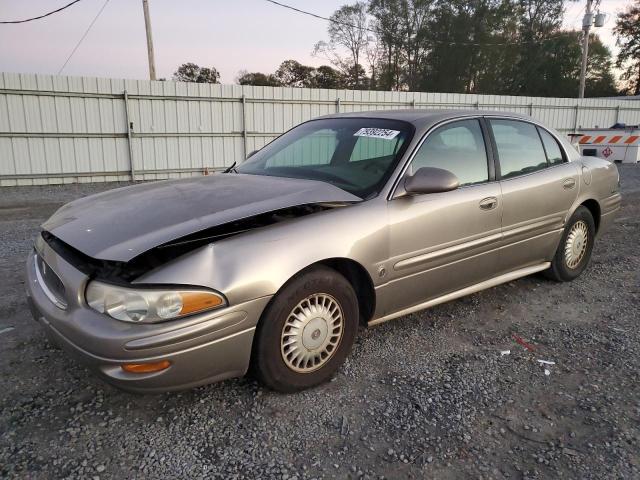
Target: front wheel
pixel 576 245
pixel 306 332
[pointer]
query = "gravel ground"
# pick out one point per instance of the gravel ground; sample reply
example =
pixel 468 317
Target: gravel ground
pixel 425 396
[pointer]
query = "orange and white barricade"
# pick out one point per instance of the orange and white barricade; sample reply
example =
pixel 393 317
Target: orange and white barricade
pixel 613 144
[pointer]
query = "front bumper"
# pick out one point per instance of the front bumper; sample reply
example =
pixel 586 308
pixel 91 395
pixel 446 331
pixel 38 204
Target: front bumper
pixel 201 348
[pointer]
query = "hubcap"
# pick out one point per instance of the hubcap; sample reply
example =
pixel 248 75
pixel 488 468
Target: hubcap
pixel 576 244
pixel 312 333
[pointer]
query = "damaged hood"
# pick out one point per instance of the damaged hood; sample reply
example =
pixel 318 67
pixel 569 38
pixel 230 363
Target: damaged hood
pixel 123 223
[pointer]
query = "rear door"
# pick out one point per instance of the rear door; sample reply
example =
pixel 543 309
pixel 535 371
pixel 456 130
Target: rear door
pixel 538 187
pixel 441 242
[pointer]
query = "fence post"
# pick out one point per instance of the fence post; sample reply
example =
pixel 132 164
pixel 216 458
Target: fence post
pixel 575 120
pixel 477 105
pixel 129 135
pixel 244 128
pixel 338 105
pixel 531 109
pixel 617 114
pixel 413 103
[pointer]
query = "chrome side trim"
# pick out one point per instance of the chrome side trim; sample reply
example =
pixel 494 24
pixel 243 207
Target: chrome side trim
pixel 447 251
pixel 554 220
pixel 45 289
pixel 507 277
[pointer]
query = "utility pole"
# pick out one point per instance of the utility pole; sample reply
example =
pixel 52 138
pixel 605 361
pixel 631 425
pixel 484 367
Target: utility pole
pixel 147 24
pixel 598 20
pixel 587 21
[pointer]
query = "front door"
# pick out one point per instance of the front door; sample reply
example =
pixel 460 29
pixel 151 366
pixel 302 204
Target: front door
pixel 442 242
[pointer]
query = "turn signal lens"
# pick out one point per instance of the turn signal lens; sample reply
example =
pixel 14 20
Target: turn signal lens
pixel 146 367
pixel 193 302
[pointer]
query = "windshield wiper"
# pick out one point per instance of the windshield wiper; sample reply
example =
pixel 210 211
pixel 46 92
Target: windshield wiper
pixel 232 168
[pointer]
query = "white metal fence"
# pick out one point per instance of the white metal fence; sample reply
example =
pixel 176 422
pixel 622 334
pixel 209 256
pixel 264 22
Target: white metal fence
pixel 57 129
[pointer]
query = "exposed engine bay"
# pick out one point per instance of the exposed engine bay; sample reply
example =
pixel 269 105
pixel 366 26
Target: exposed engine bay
pixel 126 272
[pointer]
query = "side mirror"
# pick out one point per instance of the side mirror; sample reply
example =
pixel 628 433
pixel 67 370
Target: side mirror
pixel 251 154
pixel 430 180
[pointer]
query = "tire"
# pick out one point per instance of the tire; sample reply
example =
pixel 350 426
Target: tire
pixel 281 359
pixel 567 266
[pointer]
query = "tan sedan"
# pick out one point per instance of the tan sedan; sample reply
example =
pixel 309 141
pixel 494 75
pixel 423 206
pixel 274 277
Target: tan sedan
pixel 344 220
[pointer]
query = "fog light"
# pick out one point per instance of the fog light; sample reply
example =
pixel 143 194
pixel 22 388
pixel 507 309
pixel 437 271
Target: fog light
pixel 146 367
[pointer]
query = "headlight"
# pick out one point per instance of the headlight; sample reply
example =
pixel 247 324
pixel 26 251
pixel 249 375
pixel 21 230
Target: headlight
pixel 149 305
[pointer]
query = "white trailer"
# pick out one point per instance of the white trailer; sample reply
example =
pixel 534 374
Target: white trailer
pixel 619 144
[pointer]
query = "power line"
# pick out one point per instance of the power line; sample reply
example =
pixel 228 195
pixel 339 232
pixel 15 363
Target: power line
pixel 441 42
pixel 83 37
pixel 304 12
pixel 40 16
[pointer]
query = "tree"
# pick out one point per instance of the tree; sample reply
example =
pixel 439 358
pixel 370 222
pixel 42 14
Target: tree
pixel 539 21
pixel 558 70
pixel 389 37
pixel 415 28
pixel 292 73
pixel 257 79
pixel 600 81
pixel 506 47
pixel 348 30
pixel 509 47
pixel 327 77
pixel 627 30
pixel 190 72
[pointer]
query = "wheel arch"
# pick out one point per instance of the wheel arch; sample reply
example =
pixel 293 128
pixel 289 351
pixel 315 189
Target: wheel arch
pixel 355 274
pixel 594 207
pixel 590 204
pixel 359 279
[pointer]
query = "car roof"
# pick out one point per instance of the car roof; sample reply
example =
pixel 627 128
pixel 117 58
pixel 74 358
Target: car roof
pixel 422 118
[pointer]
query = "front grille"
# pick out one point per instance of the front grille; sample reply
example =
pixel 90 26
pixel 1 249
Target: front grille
pixel 50 283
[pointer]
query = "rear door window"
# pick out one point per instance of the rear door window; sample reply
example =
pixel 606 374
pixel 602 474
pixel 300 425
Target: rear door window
pixel 520 149
pixel 551 147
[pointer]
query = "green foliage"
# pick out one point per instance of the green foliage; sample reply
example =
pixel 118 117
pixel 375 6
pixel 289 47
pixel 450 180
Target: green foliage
pixel 627 30
pixel 327 77
pixel 258 79
pixel 190 72
pixel 512 47
pixel 505 47
pixel 292 73
pixel 348 30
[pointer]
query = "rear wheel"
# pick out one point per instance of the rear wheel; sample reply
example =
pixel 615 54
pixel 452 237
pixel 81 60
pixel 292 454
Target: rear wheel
pixel 576 245
pixel 306 332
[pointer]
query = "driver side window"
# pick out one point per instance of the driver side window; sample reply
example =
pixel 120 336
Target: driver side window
pixel 457 147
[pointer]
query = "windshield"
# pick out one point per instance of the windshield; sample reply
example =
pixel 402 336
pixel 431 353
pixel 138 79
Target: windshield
pixel 355 154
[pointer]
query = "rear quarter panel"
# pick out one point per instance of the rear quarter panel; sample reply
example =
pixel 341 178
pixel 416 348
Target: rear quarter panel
pixel 599 181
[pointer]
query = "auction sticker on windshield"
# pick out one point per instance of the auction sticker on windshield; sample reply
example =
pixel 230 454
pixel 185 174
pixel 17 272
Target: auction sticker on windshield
pixel 383 133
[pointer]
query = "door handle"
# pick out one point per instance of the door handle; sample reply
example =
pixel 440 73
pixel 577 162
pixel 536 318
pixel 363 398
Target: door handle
pixel 569 183
pixel 488 203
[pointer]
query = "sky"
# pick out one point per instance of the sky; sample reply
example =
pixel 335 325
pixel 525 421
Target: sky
pixel 231 35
